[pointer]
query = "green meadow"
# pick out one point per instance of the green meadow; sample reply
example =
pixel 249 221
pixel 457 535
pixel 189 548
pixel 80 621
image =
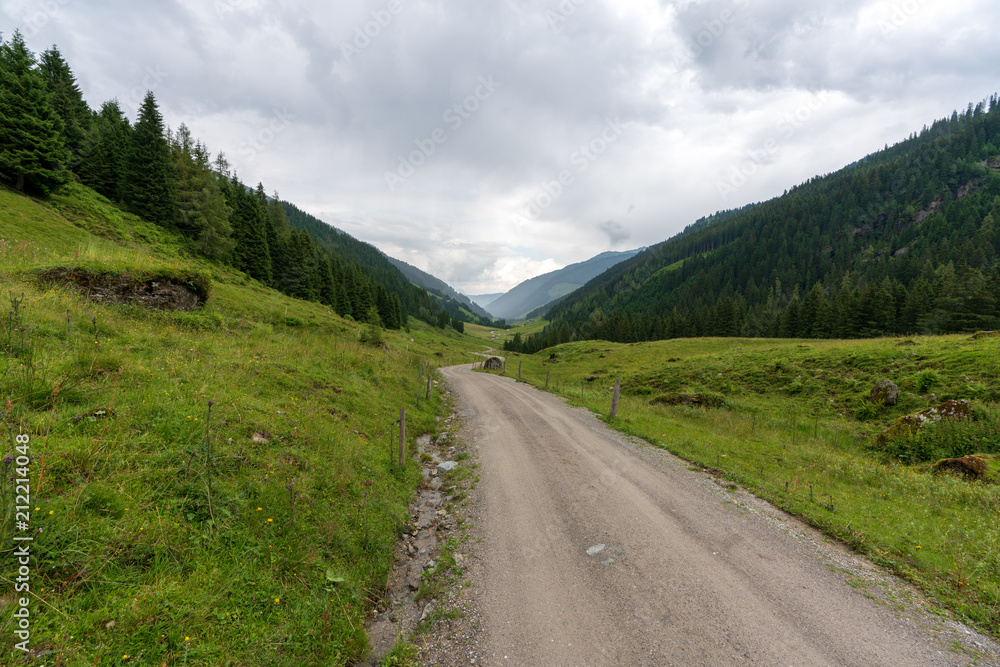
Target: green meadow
pixel 214 487
pixel 791 421
pixel 497 337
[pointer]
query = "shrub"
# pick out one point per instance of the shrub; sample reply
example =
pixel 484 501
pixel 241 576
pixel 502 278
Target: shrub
pixel 796 386
pixel 927 379
pixel 372 335
pixel 867 411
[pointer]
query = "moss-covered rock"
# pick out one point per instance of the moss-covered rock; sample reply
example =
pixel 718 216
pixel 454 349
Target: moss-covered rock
pixel 910 424
pixel 972 467
pixel 885 392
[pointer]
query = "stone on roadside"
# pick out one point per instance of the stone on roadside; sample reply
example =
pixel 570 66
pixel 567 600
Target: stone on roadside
pixel 447 466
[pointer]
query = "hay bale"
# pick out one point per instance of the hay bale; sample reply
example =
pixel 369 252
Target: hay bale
pixel 493 364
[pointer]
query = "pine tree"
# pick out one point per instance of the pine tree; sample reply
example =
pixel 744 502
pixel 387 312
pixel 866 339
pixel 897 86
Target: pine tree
pixel 32 152
pixel 146 183
pixel 67 100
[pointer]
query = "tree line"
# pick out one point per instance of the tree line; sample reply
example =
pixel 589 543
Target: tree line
pixel 49 136
pixel 901 242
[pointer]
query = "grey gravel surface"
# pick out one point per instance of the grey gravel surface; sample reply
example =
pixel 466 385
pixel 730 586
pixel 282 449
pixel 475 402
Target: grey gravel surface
pixel 594 549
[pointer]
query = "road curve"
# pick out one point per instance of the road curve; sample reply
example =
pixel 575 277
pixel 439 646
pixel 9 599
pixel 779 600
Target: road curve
pixel 599 551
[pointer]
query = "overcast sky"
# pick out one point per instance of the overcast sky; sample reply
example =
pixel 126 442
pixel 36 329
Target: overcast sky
pixel 487 142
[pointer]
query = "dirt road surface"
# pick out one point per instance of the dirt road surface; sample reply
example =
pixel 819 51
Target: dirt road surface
pixel 597 550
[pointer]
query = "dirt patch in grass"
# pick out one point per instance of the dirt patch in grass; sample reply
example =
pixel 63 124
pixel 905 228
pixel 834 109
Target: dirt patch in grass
pixel 695 400
pixel 157 292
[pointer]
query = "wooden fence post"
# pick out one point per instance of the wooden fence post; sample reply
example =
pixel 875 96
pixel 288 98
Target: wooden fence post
pixel 519 369
pixel 614 399
pixel 547 374
pixel 402 438
pixel 427 396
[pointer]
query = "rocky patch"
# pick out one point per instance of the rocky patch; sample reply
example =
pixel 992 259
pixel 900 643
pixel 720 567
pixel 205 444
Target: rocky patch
pixel 426 554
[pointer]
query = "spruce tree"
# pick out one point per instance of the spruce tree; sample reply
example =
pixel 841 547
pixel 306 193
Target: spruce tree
pixel 399 319
pixel 32 152
pixel 280 231
pixel 202 213
pixel 102 165
pixel 328 290
pixel 67 100
pixel 252 254
pixel 146 184
pixel 276 248
pixel 384 306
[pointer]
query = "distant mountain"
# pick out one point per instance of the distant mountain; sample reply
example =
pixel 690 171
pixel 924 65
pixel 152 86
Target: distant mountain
pixel 541 290
pixel 438 287
pixel 485 300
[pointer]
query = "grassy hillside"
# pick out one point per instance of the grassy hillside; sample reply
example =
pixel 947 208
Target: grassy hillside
pixel 213 487
pixel 790 420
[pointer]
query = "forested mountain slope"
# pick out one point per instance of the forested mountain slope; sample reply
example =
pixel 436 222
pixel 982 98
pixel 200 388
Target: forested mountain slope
pixel 902 241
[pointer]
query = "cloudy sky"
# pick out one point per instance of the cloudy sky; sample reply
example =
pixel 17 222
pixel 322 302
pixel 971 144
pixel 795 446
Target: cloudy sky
pixel 487 142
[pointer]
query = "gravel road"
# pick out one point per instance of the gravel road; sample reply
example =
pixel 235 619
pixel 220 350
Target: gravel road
pixel 598 550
